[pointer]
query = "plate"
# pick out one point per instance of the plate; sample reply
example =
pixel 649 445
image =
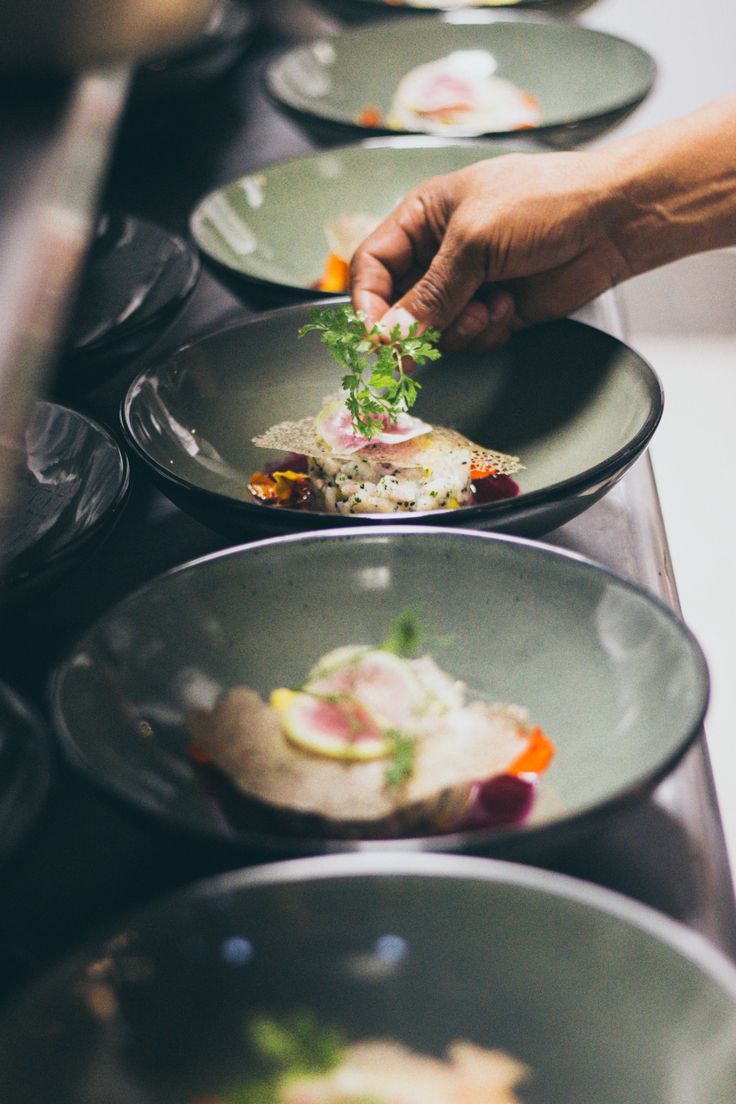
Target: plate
pixel 180 1003
pixel 612 676
pixel 249 226
pixel 72 484
pixel 578 75
pixel 137 278
pixel 577 406
pixel 25 769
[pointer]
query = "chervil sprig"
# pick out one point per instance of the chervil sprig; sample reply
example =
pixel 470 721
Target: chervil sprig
pixel 377 387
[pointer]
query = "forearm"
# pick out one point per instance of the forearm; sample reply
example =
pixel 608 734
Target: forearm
pixel 671 191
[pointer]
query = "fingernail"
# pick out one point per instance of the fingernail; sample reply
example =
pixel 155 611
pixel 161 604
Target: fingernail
pixel 500 307
pixel 472 321
pixel 400 317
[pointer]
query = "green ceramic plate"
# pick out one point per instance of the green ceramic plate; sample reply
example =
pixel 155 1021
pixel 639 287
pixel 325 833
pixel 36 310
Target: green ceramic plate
pixel 577 74
pixel 605 1001
pixel 576 405
pixel 269 227
pixel 612 676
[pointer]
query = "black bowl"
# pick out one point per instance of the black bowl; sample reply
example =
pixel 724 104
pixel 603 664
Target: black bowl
pixel 577 406
pixel 197 998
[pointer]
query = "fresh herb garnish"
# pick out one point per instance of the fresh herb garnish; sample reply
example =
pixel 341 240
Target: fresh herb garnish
pixel 403 750
pixel 405 635
pixel 298 1044
pixel 378 389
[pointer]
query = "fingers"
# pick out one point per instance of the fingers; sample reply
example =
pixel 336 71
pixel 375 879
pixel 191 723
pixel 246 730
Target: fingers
pixel 401 246
pixel 441 296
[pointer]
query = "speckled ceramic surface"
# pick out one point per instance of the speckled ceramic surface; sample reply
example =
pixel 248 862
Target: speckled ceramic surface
pixel 602 1000
pixel 576 405
pixel 575 73
pixel 614 679
pixel 73 481
pixel 251 226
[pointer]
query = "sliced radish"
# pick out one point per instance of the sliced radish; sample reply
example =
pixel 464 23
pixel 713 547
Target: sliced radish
pixel 384 684
pixel 334 424
pixel 337 729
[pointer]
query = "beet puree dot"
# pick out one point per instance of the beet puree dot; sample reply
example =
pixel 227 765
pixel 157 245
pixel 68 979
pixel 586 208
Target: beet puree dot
pixel 500 802
pixel 493 488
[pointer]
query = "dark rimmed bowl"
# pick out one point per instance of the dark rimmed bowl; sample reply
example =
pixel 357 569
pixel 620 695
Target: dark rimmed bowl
pixel 602 999
pixel 73 482
pixel 249 226
pixel 361 11
pixel 577 406
pixel 584 80
pixel 612 676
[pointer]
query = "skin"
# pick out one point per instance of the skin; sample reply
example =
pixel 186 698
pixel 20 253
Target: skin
pixel 525 238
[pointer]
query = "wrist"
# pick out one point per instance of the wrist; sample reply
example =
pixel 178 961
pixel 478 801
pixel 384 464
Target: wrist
pixel 671 191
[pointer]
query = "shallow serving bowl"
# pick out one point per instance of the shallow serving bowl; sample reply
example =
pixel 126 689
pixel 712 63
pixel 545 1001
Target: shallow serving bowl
pixel 577 406
pixel 579 76
pixel 603 1000
pixel 613 677
pixel 250 226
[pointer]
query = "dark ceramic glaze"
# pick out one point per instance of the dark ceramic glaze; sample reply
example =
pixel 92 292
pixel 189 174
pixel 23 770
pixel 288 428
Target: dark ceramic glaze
pixel 613 677
pixel 73 480
pixel 25 769
pixel 577 406
pixel 137 278
pixel 602 999
pixel 578 75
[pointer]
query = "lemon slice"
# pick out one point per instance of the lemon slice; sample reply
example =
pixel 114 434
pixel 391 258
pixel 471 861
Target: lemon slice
pixel 337 729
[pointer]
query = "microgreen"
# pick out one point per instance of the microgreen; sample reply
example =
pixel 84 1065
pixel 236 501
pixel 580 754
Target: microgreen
pixel 403 749
pixel 377 386
pixel 405 635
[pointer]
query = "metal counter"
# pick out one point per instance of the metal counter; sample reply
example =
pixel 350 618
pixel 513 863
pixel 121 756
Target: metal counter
pixel 90 860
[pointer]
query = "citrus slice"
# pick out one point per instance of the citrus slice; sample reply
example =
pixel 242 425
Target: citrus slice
pixel 338 729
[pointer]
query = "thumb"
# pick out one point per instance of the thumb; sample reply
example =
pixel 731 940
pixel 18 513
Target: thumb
pixel 442 293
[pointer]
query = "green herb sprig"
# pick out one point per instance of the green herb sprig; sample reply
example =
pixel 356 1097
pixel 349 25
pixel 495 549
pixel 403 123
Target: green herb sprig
pixel 378 389
pixel 403 753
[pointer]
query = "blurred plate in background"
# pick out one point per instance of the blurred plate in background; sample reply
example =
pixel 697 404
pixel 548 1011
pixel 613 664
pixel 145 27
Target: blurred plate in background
pixel 198 998
pixel 73 482
pixel 137 278
pixel 577 75
pixel 272 227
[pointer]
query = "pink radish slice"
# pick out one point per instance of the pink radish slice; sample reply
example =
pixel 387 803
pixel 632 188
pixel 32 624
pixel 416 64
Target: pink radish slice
pixel 334 424
pixel 383 683
pixel 341 730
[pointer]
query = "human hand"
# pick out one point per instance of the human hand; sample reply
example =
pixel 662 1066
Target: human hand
pixel 499 245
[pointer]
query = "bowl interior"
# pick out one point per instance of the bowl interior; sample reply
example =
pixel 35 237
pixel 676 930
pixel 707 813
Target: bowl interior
pixel 571 401
pixel 613 678
pixel 580 990
pixel 574 72
pixel 251 225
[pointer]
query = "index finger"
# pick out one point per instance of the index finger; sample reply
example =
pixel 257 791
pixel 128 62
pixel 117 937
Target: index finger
pixel 403 243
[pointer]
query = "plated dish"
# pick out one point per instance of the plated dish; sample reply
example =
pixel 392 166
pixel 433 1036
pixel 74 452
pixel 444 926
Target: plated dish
pixel 73 482
pixel 250 225
pixel 358 744
pixel 360 79
pixel 575 405
pixel 310 974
